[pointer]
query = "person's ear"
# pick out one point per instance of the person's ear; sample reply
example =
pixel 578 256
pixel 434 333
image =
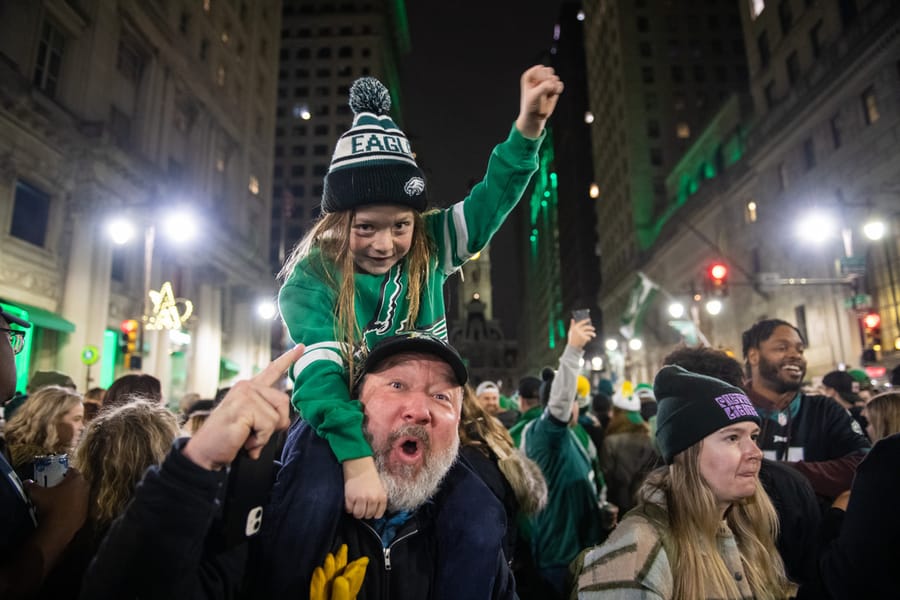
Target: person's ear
pixel 753 357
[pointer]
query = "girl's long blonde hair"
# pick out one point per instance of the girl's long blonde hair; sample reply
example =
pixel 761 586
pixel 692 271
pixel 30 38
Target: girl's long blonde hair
pixel 34 424
pixel 117 448
pixel 698 570
pixel 333 263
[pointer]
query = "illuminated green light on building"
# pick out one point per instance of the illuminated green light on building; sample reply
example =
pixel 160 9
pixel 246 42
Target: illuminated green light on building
pixel 692 187
pixel 543 204
pixel 709 171
pixel 553 179
pixel 551 339
pixel 546 193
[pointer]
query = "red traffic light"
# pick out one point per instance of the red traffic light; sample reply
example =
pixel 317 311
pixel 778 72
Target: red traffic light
pixel 718 271
pixel 872 320
pixel 129 326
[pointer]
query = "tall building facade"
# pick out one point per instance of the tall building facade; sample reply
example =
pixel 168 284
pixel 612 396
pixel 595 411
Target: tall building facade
pixel 138 110
pixel 657 73
pixel 325 47
pixel 816 139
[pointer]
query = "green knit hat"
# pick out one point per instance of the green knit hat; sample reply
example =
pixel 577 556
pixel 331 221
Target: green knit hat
pixel 692 406
pixel 372 162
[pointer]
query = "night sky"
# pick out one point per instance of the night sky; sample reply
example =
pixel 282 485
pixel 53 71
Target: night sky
pixel 461 86
pixel 461 82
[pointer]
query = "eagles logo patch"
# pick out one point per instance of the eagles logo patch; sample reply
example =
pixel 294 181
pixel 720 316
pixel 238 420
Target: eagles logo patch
pixel 414 187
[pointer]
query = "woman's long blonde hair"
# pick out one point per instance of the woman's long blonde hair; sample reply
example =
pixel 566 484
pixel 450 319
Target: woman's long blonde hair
pixel 117 448
pixel 35 423
pixel 698 570
pixel 333 263
pixel 883 413
pixel 480 430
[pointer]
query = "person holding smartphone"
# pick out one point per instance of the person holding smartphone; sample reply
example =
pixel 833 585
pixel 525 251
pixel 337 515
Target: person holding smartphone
pixel 572 519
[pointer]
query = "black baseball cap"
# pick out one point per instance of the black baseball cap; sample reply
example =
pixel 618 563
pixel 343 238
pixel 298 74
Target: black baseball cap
pixel 11 319
pixel 419 343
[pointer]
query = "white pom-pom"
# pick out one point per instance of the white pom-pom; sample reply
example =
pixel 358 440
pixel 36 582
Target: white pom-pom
pixel 367 94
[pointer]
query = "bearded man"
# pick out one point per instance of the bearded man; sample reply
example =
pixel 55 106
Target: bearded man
pixel 441 537
pixel 811 433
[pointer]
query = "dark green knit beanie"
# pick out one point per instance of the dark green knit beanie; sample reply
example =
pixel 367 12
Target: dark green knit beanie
pixel 373 162
pixel 692 406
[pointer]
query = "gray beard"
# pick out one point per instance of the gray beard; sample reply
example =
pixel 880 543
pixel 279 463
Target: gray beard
pixel 406 489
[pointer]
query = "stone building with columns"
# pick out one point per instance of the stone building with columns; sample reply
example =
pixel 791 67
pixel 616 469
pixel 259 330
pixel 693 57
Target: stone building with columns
pixel 138 110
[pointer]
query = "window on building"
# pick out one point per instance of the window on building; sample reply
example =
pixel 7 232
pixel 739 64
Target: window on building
pixel 31 214
pixel 792 66
pixel 783 179
pixel 653 128
pixel 324 52
pixel 762 46
pixel 870 106
pixel 699 73
pixel 49 59
pixel 129 62
pixel 750 214
pixel 298 150
pixel 120 127
pixel 809 154
pixel 677 74
pixel 301 73
pixel 643 24
pixel 345 52
pixel 320 130
pixel 298 191
pixel 119 264
pixel 683 131
pixel 320 150
pixel 646 50
pixel 302 53
pixel 815 39
pixel 785 15
pixel 320 170
pixel 278 172
pixel 647 74
pixel 298 170
pixel 184 23
pixel 656 157
pixel 835 124
pixel 769 92
pixel 721 73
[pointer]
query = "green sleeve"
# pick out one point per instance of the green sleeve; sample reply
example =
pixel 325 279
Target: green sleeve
pixel 465 228
pixel 321 390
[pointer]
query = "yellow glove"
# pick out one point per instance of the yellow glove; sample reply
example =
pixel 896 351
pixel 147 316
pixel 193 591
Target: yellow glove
pixel 337 580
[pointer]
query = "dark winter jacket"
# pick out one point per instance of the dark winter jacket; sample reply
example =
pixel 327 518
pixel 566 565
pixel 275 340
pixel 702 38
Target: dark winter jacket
pixel 460 532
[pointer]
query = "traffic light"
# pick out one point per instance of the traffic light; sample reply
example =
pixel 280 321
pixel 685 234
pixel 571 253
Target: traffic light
pixel 128 339
pixel 717 279
pixel 871 324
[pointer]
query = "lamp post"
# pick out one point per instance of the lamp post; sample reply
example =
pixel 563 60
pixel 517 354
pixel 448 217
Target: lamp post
pixel 179 226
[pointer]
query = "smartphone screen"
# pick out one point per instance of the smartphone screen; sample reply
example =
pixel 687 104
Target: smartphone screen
pixel 581 314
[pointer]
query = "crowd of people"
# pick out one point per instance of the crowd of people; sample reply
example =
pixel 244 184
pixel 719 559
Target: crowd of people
pixel 384 472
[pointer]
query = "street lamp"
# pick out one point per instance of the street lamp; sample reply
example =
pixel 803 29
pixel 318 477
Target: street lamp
pixel 266 310
pixel 714 307
pixel 611 344
pixel 179 226
pixel 676 310
pixel 635 344
pixel 875 230
pixel 816 227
